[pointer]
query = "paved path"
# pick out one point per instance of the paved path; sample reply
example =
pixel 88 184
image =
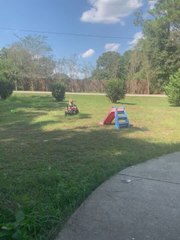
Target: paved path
pixel 140 203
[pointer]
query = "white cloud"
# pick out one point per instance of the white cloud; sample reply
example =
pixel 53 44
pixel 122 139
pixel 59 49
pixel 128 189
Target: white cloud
pixel 88 53
pixel 137 37
pixel 152 3
pixel 110 11
pixel 113 47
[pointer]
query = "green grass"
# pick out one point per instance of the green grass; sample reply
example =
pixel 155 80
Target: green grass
pixel 50 163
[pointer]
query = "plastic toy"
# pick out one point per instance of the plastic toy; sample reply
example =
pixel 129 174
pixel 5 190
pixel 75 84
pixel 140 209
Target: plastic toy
pixel 71 109
pixel 120 116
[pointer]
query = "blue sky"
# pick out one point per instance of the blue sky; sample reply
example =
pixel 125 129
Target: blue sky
pixel 89 17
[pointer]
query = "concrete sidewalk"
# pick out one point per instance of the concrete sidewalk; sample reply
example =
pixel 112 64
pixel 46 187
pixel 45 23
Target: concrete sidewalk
pixel 140 203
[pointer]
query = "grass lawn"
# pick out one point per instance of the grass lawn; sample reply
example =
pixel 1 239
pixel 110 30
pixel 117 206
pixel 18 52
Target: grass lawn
pixel 50 163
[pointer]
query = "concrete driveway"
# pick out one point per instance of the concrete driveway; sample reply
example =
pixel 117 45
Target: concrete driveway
pixel 140 203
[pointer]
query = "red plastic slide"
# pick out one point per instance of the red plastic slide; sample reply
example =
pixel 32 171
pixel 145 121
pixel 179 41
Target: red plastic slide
pixel 110 117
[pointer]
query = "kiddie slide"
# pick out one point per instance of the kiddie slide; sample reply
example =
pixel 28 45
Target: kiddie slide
pixel 110 117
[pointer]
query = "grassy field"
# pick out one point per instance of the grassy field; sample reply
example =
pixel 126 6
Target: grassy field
pixel 50 163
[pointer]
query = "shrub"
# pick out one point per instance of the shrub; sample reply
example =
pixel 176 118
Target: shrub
pixel 173 89
pixel 58 91
pixel 6 89
pixel 115 90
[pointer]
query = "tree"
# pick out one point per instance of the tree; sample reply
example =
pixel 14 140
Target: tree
pixel 173 89
pixel 161 45
pixel 7 73
pixel 35 45
pixel 108 66
pixel 74 72
pixel 6 88
pixel 58 91
pixel 115 90
pixel 139 74
pixel 125 59
pixel 62 78
pixel 31 56
pixel 44 71
pixel 70 67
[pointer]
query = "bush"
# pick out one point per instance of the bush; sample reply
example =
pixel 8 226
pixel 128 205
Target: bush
pixel 6 89
pixel 58 91
pixel 115 90
pixel 173 89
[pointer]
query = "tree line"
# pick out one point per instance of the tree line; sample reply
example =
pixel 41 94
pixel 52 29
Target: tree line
pixel 146 68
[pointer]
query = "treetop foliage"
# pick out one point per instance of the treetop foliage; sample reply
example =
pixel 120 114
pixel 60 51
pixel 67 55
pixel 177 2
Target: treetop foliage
pixel 36 45
pixel 109 65
pixel 159 51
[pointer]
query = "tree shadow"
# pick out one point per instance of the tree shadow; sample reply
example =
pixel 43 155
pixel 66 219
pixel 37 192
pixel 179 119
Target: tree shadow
pixel 41 102
pixel 126 103
pixel 84 115
pixel 174 106
pixel 133 128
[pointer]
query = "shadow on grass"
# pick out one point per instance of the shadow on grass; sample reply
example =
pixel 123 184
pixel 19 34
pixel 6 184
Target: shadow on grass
pixel 126 103
pixel 84 115
pixel 137 129
pixel 130 129
pixel 174 106
pixel 41 102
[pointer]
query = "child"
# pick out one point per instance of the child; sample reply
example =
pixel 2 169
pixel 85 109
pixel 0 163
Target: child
pixel 71 108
